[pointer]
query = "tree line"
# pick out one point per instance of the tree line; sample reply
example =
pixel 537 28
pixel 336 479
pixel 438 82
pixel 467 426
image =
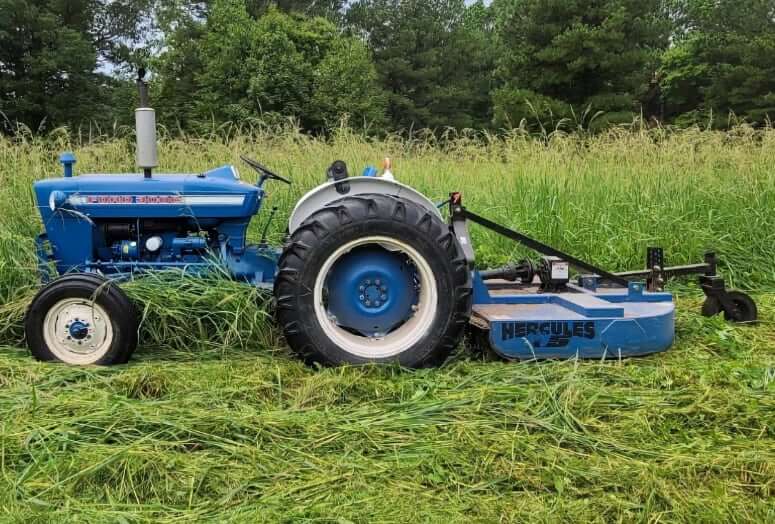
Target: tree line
pixel 389 65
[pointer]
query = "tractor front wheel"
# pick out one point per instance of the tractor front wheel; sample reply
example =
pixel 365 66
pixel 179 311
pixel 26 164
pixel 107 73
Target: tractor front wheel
pixel 373 278
pixel 81 319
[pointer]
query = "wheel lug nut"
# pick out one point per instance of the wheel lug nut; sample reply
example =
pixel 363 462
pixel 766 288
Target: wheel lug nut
pixel 368 282
pixel 362 288
pixel 383 297
pixel 377 282
pixel 377 303
pixel 368 302
pixel 383 288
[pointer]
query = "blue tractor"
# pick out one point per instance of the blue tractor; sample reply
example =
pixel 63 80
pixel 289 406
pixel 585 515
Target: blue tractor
pixel 371 271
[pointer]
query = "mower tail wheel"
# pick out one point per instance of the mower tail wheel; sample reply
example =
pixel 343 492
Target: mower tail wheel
pixel 743 307
pixel 373 278
pixel 81 319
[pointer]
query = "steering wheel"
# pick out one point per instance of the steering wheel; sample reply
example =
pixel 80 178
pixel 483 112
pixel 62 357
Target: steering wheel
pixel 265 173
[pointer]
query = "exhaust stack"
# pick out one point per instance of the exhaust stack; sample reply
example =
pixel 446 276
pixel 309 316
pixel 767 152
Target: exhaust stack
pixel 145 129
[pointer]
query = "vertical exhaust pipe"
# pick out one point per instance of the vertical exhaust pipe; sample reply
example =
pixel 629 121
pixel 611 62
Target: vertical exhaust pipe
pixel 145 129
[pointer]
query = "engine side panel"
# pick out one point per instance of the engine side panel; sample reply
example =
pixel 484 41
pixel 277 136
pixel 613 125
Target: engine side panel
pixel 123 223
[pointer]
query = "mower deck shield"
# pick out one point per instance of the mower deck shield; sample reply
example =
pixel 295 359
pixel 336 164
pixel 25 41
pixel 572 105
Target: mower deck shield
pixel 524 323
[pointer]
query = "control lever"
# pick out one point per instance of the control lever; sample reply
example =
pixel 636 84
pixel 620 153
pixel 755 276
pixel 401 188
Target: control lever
pixel 263 242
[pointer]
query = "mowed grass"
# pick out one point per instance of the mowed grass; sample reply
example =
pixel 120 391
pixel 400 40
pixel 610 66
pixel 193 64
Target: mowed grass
pixel 215 420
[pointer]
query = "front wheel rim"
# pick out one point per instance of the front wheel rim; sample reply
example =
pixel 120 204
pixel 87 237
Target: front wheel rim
pixel 404 336
pixel 77 331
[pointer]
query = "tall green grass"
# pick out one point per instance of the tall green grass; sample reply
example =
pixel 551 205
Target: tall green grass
pixel 214 420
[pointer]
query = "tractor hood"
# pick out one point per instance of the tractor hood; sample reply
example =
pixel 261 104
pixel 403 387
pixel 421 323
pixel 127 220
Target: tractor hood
pixel 218 193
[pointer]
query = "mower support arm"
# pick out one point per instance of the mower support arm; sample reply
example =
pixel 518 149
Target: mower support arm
pixel 655 259
pixel 460 215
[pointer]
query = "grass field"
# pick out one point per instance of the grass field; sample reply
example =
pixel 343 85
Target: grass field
pixel 214 420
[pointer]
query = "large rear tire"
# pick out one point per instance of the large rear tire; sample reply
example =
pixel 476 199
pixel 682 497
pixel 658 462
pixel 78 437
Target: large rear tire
pixel 81 319
pixel 373 278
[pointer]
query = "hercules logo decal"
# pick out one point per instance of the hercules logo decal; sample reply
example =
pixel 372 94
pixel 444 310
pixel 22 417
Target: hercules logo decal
pixel 555 334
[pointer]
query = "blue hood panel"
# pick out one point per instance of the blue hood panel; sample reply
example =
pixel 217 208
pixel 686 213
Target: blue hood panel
pixel 215 194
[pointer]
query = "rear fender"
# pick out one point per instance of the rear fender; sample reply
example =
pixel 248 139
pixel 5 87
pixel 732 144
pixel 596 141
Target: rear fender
pixel 329 192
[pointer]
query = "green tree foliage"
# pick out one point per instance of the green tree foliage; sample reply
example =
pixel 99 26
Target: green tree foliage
pixel 723 61
pixel 346 85
pixel 388 64
pixel 175 89
pixel 49 55
pixel 331 9
pixel 46 68
pixel 563 56
pixel 434 57
pixel 280 65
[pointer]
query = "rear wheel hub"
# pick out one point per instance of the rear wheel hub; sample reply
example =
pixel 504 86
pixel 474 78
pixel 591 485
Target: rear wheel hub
pixel 400 320
pixel 373 294
pixel 371 290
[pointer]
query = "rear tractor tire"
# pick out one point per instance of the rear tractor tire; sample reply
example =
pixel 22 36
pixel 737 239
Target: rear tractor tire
pixel 81 319
pixel 373 278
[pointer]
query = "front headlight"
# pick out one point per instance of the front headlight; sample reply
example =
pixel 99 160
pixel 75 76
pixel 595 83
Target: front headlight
pixel 56 200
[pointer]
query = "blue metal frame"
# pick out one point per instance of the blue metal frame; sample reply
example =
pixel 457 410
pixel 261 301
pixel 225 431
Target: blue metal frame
pixel 44 258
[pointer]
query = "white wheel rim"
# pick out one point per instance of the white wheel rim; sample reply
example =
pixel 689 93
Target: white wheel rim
pixel 403 337
pixel 95 341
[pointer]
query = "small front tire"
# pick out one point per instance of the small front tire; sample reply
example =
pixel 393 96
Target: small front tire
pixel 81 319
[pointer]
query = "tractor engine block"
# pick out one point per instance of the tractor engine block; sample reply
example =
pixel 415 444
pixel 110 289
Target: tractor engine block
pixel 154 241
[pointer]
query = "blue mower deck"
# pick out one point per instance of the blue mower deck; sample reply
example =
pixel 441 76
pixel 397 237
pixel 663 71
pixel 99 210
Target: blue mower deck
pixel 524 323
